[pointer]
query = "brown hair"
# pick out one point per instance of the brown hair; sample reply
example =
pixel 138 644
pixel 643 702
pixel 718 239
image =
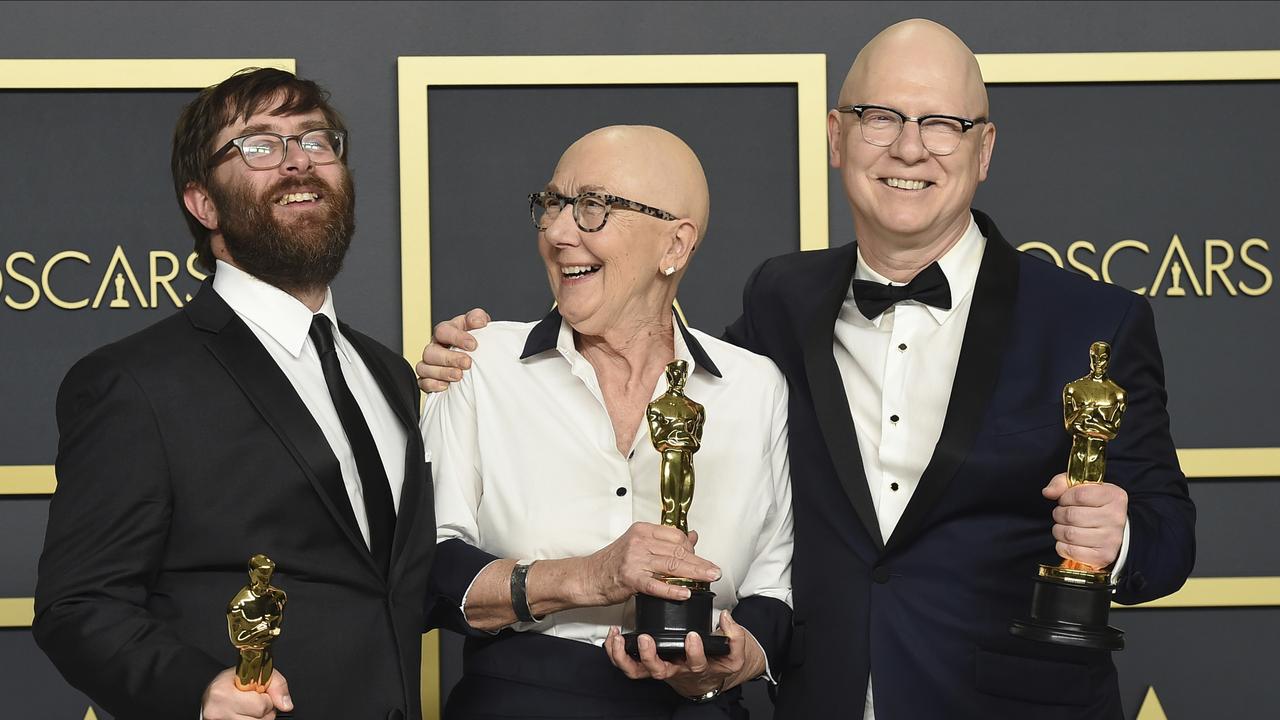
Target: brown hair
pixel 239 97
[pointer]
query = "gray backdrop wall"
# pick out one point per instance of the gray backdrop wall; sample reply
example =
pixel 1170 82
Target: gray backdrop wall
pixel 1184 170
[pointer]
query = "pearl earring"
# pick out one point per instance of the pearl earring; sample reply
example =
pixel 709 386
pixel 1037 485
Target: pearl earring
pixel 669 271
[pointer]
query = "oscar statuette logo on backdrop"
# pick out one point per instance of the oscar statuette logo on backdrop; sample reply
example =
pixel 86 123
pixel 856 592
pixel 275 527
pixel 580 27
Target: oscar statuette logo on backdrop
pixel 76 280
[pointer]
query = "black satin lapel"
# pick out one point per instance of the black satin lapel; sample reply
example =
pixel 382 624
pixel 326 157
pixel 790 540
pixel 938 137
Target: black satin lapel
pixel 400 402
pixel 986 335
pixel 271 393
pixel 830 401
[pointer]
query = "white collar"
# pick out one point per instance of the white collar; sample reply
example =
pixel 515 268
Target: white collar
pixel 276 312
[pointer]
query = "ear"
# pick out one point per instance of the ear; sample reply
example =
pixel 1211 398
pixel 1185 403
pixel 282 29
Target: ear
pixel 683 242
pixel 835 139
pixel 988 147
pixel 200 205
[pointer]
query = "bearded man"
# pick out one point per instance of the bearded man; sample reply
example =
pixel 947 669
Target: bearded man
pixel 251 421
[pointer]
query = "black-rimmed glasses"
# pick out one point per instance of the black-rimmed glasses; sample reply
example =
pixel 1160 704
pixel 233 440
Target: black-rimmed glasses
pixel 590 209
pixel 267 150
pixel 881 126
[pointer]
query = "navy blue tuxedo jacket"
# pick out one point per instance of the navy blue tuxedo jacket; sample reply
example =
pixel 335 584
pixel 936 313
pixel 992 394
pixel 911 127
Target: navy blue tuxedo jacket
pixel 926 611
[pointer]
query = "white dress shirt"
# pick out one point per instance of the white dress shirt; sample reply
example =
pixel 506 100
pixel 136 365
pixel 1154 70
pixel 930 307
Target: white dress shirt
pixel 900 367
pixel 281 323
pixel 526 466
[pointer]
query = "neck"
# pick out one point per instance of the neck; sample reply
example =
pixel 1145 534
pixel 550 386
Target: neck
pixel 901 257
pixel 312 297
pixel 633 352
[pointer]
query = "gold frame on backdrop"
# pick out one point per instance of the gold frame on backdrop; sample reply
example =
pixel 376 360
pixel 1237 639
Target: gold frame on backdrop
pixel 1161 67
pixel 418 74
pixel 96 74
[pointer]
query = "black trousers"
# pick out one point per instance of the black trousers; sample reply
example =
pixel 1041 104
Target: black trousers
pixel 538 677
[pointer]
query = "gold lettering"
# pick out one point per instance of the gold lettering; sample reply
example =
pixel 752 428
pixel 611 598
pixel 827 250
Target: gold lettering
pixel 1175 247
pixel 1044 248
pixel 1110 253
pixel 13 273
pixel 1071 257
pixel 1263 270
pixel 166 280
pixel 194 271
pixel 118 258
pixel 1212 268
pixel 48 270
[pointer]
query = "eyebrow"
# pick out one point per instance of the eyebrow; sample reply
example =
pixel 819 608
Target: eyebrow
pixel 265 127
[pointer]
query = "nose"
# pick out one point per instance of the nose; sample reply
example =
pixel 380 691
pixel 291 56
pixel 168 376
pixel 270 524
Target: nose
pixel 909 147
pixel 296 160
pixel 564 230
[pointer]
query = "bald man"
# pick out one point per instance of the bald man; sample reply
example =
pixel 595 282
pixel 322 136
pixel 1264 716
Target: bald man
pixel 546 479
pixel 925 363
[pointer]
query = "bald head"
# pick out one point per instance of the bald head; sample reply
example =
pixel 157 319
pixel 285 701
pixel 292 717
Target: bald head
pixel 917 53
pixel 642 163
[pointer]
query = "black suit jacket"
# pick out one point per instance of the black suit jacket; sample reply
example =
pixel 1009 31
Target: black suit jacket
pixel 183 451
pixel 926 613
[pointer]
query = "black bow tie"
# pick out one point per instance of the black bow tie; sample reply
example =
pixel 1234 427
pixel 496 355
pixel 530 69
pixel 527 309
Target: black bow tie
pixel 929 286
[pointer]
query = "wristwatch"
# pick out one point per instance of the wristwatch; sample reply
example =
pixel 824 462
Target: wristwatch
pixel 707 696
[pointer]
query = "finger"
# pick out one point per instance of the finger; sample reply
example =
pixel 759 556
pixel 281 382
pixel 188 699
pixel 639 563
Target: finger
pixel 693 538
pixel 1082 537
pixel 453 333
pixel 476 318
pixel 443 356
pixel 654 665
pixel 1096 495
pixel 615 645
pixel 650 585
pixel 278 691
pixel 1082 516
pixel 1086 555
pixel 432 386
pixel 443 373
pixel 1057 485
pixel 695 657
pixel 694 567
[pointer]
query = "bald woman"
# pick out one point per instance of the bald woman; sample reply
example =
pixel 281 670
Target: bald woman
pixel 547 485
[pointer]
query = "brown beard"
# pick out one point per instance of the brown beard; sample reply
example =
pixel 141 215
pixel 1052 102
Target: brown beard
pixel 302 256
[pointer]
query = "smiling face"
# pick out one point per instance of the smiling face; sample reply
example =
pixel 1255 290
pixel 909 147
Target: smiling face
pixel 289 226
pixel 903 197
pixel 613 279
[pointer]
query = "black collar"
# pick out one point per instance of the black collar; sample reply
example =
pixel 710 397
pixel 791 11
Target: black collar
pixel 543 337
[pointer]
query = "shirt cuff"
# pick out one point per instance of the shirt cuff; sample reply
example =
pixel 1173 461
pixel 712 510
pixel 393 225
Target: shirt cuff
pixel 462 606
pixel 1118 565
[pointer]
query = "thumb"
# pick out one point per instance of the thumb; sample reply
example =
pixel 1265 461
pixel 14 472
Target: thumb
pixel 278 691
pixel 1056 487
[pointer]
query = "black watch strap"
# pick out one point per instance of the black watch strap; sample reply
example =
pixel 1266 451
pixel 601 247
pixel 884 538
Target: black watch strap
pixel 519 596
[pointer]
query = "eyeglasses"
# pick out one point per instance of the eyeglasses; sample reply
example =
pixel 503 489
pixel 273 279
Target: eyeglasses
pixel 940 134
pixel 267 150
pixel 590 209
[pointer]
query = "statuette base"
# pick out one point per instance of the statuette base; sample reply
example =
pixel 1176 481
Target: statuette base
pixel 668 622
pixel 1069 609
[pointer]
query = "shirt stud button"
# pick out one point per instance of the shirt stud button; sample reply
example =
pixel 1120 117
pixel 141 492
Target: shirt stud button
pixel 893 487
pixel 902 347
pixel 621 491
pixel 893 419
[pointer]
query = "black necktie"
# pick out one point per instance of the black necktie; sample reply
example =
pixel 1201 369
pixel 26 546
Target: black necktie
pixel 378 506
pixel 929 287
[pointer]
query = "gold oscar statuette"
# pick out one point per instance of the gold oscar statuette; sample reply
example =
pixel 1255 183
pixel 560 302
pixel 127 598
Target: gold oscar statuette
pixel 1071 600
pixel 675 429
pixel 253 623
